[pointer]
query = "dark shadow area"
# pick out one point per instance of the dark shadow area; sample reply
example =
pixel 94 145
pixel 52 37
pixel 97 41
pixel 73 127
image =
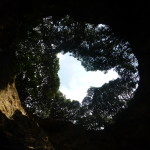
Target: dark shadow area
pixel 130 21
pixel 8 69
pixel 21 133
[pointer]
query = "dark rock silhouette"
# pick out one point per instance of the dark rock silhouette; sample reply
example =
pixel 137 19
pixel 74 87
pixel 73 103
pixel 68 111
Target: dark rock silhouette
pixel 22 133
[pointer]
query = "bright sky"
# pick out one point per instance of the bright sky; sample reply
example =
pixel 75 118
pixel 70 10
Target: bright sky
pixel 75 80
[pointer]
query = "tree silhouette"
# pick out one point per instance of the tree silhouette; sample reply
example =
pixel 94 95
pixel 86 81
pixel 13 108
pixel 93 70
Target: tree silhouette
pixel 97 47
pixel 38 81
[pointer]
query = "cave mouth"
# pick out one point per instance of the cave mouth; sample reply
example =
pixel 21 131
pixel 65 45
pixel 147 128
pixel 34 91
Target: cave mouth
pixel 97 48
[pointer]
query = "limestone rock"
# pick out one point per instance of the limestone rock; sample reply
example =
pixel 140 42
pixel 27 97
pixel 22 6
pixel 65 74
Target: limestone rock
pixel 17 130
pixel 9 101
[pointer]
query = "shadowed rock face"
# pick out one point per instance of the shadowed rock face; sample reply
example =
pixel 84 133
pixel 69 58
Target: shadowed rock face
pixel 22 133
pixel 17 130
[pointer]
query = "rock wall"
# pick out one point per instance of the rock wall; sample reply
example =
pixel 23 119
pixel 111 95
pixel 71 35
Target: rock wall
pixel 22 133
pixel 9 101
pixel 17 130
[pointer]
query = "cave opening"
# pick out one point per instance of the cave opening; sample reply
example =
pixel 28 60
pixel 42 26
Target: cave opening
pixel 75 80
pixel 97 48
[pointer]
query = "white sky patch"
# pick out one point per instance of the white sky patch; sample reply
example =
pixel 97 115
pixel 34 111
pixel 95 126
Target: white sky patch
pixel 75 80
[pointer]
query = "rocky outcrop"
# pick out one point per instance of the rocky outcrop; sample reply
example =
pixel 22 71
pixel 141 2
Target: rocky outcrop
pixel 22 133
pixel 9 101
pixel 17 130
